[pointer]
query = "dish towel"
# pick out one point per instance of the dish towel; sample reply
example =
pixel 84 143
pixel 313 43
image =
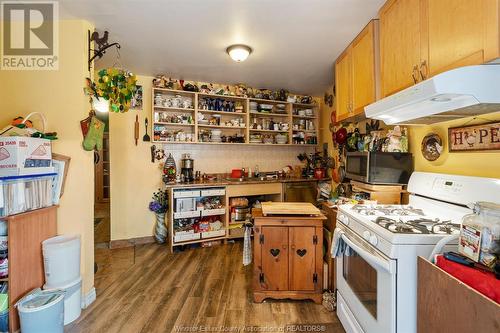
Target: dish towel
pixel 339 247
pixel 247 246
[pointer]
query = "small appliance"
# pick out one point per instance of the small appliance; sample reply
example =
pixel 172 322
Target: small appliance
pixel 187 168
pixel 458 93
pixel 379 167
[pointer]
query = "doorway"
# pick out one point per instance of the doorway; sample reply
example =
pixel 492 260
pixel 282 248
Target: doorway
pixel 102 172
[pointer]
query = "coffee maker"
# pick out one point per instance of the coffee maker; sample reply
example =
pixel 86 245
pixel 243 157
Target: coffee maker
pixel 187 167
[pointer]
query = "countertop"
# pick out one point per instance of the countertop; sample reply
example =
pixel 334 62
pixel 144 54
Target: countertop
pixel 226 182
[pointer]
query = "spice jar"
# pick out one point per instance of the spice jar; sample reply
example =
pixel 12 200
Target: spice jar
pixel 480 234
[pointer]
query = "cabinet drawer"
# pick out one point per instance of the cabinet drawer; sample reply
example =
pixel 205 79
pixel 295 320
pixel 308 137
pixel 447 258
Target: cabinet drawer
pixel 186 215
pixel 211 234
pixel 212 212
pixel 184 237
pixel 186 194
pixel 213 192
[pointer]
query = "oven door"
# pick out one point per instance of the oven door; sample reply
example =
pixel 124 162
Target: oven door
pixel 357 166
pixel 366 288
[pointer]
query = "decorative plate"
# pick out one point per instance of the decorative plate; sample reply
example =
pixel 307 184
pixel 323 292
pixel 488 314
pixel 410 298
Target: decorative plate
pixel 432 147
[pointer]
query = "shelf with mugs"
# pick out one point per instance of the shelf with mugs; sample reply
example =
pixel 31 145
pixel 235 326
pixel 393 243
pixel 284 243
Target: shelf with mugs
pixel 268 114
pixel 224 97
pixel 172 109
pixel 185 117
pixel 222 126
pixel 221 104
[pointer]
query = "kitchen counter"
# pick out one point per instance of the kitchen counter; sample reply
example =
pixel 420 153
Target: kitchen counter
pixel 226 182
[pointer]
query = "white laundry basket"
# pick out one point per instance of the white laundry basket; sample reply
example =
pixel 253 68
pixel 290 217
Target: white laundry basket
pixel 42 311
pixel 61 260
pixel 72 300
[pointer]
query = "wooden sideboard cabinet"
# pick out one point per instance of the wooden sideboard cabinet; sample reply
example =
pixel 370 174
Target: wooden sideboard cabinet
pixel 288 257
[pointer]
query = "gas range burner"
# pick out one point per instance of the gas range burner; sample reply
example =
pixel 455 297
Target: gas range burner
pixel 387 210
pixel 401 227
pixel 418 226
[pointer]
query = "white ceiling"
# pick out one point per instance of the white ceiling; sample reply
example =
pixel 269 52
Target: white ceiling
pixel 294 42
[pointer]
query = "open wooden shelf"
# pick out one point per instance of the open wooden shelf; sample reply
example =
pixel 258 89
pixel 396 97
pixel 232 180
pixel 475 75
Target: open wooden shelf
pixel 304 117
pixel 222 126
pixel 222 112
pixel 172 124
pixel 169 108
pixel 227 97
pixel 247 116
pixel 268 131
pixel 267 114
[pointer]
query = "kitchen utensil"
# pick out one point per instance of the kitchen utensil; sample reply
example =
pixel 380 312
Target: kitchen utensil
pixel 136 129
pixel 146 137
pixel 236 173
pixel 153 151
pixel 241 212
pixel 341 136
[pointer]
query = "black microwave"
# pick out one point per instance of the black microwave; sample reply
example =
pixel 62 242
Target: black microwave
pixel 379 167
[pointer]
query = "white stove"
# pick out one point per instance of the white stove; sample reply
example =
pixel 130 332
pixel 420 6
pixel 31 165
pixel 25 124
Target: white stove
pixel 377 284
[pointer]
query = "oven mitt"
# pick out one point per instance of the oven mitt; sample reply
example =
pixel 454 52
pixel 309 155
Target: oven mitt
pixel 94 136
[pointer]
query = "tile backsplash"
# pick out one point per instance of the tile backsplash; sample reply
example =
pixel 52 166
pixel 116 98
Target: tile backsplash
pixel 224 158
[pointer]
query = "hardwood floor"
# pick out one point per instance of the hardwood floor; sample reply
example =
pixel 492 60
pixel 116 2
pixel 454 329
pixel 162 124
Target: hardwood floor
pixel 102 228
pixel 147 289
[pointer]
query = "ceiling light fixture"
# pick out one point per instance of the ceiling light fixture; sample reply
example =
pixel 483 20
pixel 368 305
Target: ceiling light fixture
pixel 239 52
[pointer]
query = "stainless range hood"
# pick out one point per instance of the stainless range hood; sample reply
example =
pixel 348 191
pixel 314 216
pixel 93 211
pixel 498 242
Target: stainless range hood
pixel 458 93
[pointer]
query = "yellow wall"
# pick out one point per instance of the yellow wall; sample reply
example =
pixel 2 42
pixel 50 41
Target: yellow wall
pixel 59 95
pixel 133 177
pixel 481 164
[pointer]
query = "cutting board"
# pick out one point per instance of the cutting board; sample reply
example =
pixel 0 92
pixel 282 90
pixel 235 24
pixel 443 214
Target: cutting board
pixel 289 208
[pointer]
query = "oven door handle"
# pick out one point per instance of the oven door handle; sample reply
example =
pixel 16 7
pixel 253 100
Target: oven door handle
pixel 388 266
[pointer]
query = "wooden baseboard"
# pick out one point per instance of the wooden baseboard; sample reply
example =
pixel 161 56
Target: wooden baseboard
pixel 121 243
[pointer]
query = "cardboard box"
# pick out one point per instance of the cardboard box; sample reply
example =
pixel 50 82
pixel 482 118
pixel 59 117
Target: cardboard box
pixel 21 155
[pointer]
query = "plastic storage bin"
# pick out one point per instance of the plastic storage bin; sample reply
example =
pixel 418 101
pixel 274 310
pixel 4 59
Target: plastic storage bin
pixel 42 311
pixel 72 300
pixel 61 260
pixel 23 193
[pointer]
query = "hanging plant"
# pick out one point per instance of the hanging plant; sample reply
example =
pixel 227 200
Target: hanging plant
pixel 114 85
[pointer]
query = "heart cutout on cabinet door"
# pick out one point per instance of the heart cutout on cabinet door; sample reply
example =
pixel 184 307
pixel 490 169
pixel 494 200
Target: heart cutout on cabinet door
pixel 301 252
pixel 275 252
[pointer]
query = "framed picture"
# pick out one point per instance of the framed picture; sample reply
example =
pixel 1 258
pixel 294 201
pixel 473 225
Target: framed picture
pixel 474 137
pixel 136 102
pixel 61 166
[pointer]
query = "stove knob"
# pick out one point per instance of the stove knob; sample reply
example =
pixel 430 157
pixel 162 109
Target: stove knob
pixel 366 235
pixel 344 219
pixel 373 240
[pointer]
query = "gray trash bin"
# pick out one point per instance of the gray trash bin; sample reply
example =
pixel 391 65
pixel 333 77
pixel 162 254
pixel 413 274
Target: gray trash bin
pixel 42 311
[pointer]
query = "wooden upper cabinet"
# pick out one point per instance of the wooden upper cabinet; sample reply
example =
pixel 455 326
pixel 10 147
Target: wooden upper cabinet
pixel 363 68
pixel 355 74
pixel 343 85
pixel 421 38
pixel 460 33
pixel 400 26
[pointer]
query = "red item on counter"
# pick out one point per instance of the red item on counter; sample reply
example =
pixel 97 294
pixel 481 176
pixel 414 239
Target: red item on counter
pixel 484 282
pixel 236 173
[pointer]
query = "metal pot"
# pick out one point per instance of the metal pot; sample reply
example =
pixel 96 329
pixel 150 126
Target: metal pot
pixel 241 212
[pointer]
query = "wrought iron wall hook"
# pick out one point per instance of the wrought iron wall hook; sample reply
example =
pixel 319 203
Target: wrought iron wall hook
pixel 102 46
